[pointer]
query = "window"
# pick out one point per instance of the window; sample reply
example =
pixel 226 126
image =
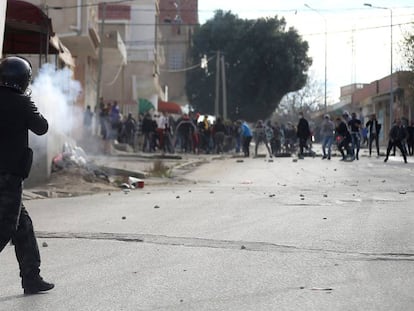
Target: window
pixel 175 60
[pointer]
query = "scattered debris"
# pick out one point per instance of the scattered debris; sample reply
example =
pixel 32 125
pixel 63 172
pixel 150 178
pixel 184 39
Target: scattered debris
pixel 44 244
pixel 243 247
pixel 246 182
pixel 132 183
pixel 156 206
pixel 321 289
pixel 74 157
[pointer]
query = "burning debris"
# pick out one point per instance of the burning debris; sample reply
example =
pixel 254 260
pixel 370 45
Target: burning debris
pixel 74 158
pixel 73 173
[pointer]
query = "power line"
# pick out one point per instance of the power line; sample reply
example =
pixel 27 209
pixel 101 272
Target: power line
pixel 292 10
pixel 353 30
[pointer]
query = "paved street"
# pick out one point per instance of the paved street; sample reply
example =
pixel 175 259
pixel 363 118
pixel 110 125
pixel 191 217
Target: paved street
pixel 235 235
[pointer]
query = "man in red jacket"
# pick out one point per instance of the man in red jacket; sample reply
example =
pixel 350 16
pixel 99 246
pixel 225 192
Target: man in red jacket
pixel 18 115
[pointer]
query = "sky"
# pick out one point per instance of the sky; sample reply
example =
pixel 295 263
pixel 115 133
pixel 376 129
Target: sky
pixel 358 37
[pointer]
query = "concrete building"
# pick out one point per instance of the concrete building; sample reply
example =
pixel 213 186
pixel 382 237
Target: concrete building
pixel 138 77
pixel 77 25
pixel 177 20
pixel 368 98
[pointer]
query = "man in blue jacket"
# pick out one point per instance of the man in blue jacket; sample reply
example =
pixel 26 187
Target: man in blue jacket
pixel 247 135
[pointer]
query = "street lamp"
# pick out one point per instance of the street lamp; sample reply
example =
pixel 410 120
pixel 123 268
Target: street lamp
pixel 326 52
pixel 391 64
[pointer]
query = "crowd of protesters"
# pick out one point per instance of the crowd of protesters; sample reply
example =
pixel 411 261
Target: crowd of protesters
pixel 195 133
pixel 350 134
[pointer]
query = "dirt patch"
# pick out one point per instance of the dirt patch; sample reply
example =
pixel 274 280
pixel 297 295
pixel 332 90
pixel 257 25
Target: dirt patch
pixel 74 182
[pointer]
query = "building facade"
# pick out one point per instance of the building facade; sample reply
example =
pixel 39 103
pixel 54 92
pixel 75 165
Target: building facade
pixel 139 76
pixel 177 20
pixel 375 98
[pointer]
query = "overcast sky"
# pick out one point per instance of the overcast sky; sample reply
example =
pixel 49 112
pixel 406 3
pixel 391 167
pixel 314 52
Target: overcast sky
pixel 358 36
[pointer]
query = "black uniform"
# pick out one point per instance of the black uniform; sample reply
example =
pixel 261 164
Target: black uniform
pixel 18 115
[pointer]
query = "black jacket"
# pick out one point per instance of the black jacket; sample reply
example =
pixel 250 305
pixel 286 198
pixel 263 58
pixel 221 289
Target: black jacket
pixel 18 115
pixel 370 125
pixel 398 133
pixel 342 130
pixel 303 130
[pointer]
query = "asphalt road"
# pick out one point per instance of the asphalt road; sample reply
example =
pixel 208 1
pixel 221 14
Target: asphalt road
pixel 310 234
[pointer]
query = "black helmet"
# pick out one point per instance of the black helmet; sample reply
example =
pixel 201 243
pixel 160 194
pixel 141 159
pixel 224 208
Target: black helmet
pixel 15 73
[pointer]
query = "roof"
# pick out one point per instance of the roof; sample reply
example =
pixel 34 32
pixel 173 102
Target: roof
pixel 28 30
pixel 169 107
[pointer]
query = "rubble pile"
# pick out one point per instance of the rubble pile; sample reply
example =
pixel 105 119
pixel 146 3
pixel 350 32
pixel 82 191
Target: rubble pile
pixel 74 161
pixel 74 174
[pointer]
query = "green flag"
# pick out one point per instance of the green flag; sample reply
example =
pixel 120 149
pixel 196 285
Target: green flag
pixel 144 105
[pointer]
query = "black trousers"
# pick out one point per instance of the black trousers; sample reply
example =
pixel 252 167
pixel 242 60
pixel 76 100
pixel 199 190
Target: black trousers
pixel 16 225
pixel 396 143
pixel 302 144
pixel 371 139
pixel 246 145
pixel 344 144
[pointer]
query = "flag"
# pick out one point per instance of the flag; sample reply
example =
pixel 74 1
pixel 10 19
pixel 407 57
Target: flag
pixel 144 105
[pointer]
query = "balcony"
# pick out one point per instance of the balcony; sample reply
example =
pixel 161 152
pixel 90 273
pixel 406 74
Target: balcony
pixel 114 50
pixel 82 44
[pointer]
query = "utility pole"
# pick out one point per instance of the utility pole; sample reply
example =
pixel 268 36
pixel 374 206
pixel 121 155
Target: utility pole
pixel 216 102
pixel 391 103
pixel 326 55
pixel 100 57
pixel 223 76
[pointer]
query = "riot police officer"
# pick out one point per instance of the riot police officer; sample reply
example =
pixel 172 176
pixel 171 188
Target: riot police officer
pixel 18 115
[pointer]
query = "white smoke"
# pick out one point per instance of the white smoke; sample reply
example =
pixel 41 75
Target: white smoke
pixel 54 92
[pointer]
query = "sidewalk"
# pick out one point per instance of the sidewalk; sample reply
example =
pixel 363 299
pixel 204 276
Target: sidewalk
pixel 152 168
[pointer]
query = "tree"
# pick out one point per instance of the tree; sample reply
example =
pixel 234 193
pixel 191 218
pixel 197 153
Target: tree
pixel 264 61
pixel 408 51
pixel 308 99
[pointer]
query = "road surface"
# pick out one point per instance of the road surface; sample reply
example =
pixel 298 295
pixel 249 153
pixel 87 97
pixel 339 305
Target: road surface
pixel 234 234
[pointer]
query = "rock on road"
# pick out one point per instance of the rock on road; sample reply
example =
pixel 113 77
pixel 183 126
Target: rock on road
pixel 251 235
